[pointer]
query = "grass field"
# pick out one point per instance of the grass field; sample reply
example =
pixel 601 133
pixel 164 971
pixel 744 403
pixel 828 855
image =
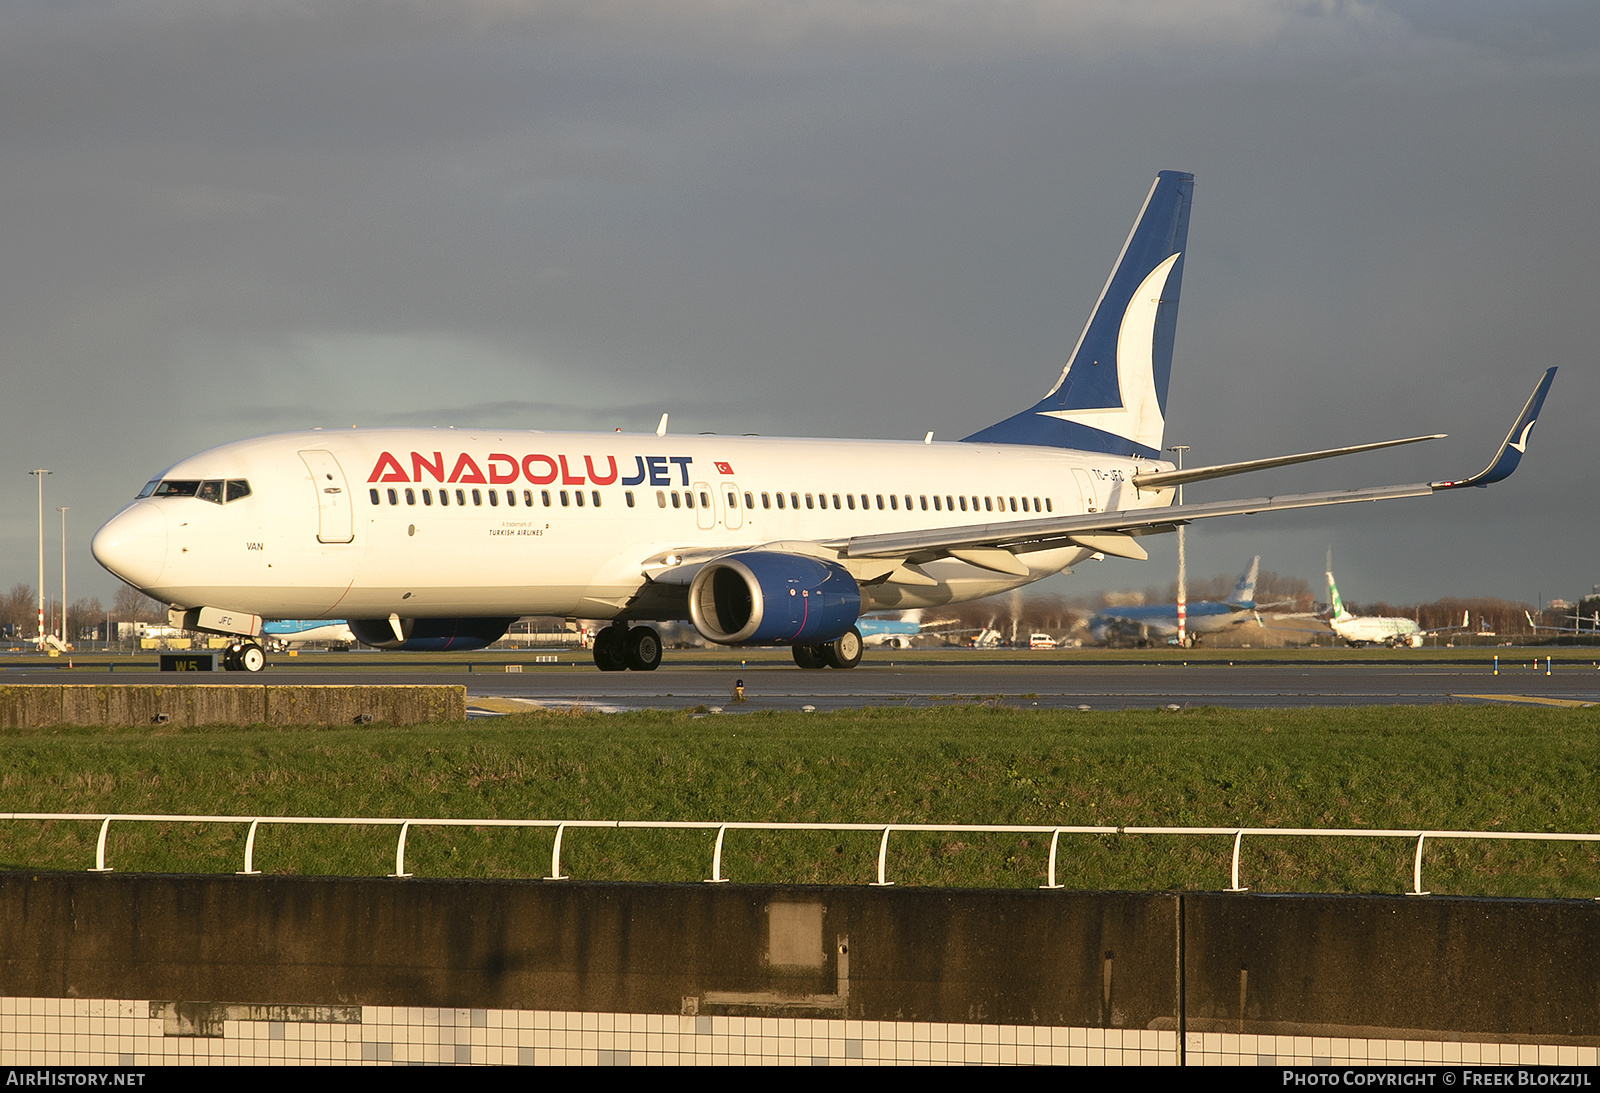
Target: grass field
pixel 1439 767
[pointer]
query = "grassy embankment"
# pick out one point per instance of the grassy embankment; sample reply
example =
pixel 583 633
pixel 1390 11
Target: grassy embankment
pixel 1441 767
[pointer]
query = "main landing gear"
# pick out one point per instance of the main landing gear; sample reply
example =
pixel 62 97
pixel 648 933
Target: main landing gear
pixel 244 656
pixel 842 652
pixel 619 648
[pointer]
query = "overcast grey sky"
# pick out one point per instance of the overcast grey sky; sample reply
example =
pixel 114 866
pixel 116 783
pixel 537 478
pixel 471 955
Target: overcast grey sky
pixel 813 218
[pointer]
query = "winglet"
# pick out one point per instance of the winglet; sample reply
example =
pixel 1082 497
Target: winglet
pixel 1515 444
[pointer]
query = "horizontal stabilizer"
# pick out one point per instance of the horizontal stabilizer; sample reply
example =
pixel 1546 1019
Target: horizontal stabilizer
pixel 1162 479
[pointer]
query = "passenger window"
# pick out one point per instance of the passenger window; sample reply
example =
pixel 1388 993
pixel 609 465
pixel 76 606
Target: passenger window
pixel 780 500
pixel 908 503
pixel 705 501
pixel 794 500
pixel 851 498
pixel 1013 504
pixel 924 502
pixel 836 501
pixel 894 502
pixel 594 495
pixel 766 500
pixel 676 502
pixel 411 496
pixel 661 500
pixel 688 499
pixel 577 495
pixel 374 495
pixel 809 505
pixel 394 498
pixel 822 500
pixel 511 498
pixel 444 498
pixel 629 495
pixel 949 503
pixel 749 501
pixel 1024 504
pixel 936 503
pixel 565 501
pixel 494 498
pixel 477 497
pixel 1049 506
pixel 237 488
pixel 461 497
pixel 1036 505
pixel 988 505
pixel 880 501
pixel 963 504
pixel 427 497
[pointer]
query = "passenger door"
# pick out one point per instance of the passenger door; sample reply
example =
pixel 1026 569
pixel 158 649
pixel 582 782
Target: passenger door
pixel 335 518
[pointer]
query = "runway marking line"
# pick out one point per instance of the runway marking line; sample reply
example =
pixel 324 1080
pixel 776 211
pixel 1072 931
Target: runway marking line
pixel 1531 700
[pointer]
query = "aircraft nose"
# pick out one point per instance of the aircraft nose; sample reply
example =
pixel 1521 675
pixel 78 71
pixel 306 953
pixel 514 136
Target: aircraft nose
pixel 133 545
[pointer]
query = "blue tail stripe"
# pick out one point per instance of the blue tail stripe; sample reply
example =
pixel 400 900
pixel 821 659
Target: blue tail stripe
pixel 1090 380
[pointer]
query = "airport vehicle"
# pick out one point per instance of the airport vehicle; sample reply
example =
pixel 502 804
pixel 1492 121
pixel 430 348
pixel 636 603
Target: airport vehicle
pixel 438 539
pixel 1393 631
pixel 1041 640
pixel 1143 623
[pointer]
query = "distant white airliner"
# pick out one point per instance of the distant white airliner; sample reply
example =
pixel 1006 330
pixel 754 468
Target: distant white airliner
pixel 439 539
pixel 1358 630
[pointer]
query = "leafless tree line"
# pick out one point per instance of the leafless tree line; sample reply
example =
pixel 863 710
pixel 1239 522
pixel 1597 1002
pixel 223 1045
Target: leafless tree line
pixel 19 611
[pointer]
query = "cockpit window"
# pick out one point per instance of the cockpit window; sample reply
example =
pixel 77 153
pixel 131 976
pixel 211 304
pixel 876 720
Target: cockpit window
pixel 149 488
pixel 215 490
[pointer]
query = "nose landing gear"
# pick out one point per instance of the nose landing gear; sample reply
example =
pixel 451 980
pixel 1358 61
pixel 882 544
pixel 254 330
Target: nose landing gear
pixel 244 656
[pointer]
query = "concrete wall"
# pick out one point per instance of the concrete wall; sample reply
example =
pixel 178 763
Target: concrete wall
pixel 1207 963
pixel 126 705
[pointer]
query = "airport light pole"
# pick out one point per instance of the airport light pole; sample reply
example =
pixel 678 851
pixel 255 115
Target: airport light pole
pixel 1183 570
pixel 39 473
pixel 63 511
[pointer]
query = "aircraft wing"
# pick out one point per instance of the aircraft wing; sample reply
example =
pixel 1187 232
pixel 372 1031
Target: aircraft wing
pixel 1114 532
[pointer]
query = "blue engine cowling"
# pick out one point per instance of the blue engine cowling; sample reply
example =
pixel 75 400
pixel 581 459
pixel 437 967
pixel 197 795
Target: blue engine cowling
pixel 431 635
pixel 761 597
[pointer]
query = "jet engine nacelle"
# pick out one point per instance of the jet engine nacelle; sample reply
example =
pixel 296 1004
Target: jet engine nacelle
pixel 431 635
pixel 761 597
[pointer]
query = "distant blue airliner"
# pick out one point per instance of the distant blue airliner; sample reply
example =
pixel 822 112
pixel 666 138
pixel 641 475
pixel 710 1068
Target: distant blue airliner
pixel 1161 620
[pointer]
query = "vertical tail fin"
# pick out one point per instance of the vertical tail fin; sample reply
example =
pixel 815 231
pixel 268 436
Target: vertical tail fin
pixel 1334 602
pixel 1244 589
pixel 1112 395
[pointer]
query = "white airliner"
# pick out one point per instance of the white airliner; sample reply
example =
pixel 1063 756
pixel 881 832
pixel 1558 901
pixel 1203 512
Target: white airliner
pixel 1390 630
pixel 439 539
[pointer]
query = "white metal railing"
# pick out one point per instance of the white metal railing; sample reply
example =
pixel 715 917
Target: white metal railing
pixel 1055 831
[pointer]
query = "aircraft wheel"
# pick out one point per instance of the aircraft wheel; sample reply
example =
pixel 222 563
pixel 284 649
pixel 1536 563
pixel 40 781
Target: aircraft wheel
pixel 609 654
pixel 844 651
pixel 230 658
pixel 643 649
pixel 809 656
pixel 251 658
